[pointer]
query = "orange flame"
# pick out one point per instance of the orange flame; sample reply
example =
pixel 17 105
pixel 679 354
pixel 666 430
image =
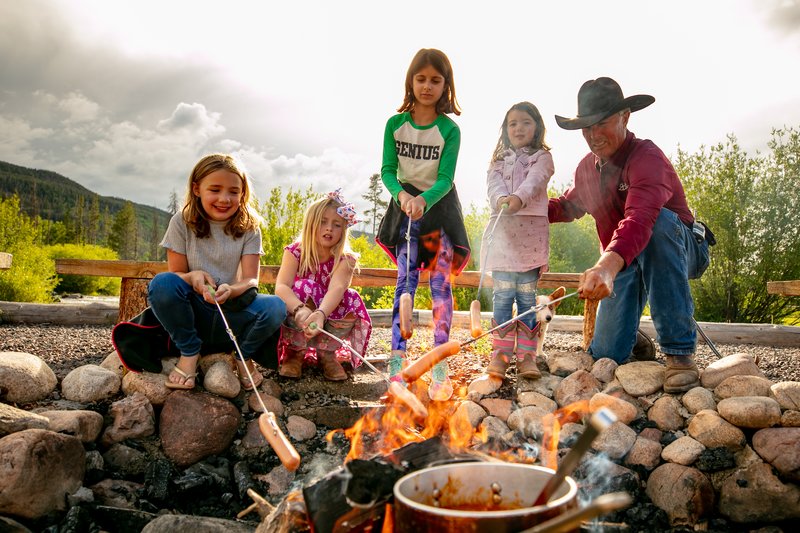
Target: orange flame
pixel 552 424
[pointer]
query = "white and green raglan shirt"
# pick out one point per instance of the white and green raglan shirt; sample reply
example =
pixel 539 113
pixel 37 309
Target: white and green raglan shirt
pixel 422 156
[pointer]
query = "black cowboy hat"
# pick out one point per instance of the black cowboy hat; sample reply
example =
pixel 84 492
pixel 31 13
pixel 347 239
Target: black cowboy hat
pixel 599 99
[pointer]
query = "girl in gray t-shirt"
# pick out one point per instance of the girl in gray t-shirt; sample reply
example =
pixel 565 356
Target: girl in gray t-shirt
pixel 215 241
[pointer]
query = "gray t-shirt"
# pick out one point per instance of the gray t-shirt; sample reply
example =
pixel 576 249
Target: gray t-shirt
pixel 218 254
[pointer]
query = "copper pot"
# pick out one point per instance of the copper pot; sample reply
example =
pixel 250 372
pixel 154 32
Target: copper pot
pixel 477 497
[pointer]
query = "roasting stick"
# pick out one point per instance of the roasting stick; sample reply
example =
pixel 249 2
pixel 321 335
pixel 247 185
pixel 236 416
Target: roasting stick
pixel 599 421
pixel 266 422
pixel 406 329
pixel 475 306
pixel 415 370
pixel 571 519
pixel 401 393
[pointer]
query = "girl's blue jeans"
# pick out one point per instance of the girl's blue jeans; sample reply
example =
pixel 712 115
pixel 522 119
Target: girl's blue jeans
pixel 660 275
pixel 510 287
pixel 196 326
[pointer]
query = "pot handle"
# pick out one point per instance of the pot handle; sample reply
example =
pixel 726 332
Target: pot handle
pixel 569 520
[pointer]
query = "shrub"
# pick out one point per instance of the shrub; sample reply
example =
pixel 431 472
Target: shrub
pixel 90 285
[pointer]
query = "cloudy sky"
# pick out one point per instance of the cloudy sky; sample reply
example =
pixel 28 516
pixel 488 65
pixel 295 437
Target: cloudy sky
pixel 124 97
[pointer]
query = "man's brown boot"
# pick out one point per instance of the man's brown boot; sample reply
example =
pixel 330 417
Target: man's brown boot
pixel 503 341
pixel 681 374
pixel 527 341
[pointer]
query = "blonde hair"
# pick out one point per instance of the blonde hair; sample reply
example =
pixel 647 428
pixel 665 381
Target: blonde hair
pixel 309 255
pixel 243 220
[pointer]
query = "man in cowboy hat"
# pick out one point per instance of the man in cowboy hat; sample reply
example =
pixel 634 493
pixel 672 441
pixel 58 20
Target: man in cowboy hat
pixel 649 249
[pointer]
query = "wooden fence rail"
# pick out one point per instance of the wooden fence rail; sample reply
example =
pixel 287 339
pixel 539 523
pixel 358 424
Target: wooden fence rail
pixel 135 276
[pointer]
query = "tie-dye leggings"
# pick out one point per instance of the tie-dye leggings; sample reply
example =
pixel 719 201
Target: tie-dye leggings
pixel 441 291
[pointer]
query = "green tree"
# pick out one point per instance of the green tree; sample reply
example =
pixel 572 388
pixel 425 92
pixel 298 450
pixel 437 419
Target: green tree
pixel 378 204
pixel 750 203
pixel 124 232
pixel 172 208
pixel 93 228
pixel 283 219
pixel 32 275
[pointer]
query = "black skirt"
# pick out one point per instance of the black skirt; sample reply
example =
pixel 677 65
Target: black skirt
pixel 445 215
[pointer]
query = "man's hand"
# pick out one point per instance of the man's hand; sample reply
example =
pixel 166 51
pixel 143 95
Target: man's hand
pixel 597 282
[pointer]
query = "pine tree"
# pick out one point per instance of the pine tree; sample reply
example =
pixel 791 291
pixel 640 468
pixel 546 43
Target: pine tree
pixel 124 233
pixel 173 202
pixel 373 196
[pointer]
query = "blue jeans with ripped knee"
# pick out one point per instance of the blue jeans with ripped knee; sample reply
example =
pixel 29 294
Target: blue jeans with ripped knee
pixel 510 287
pixel 659 275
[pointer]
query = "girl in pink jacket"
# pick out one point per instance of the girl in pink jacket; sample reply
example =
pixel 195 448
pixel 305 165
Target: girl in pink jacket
pixel 517 181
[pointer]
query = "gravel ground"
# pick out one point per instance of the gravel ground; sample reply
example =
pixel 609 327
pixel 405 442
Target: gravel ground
pixel 67 347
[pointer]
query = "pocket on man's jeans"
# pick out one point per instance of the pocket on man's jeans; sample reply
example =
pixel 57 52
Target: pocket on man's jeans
pixel 701 258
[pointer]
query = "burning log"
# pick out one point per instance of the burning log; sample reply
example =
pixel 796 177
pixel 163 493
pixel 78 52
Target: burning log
pixel 352 497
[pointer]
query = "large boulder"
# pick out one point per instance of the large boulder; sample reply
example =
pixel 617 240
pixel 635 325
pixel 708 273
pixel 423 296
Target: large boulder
pixel 195 425
pixel 39 468
pixel 25 377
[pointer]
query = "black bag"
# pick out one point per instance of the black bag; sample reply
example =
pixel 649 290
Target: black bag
pixel 142 341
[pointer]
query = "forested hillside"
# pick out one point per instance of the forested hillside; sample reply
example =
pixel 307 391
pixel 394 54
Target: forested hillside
pixel 80 215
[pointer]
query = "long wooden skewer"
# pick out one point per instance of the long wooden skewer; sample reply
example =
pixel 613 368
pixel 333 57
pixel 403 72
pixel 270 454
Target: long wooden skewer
pixel 267 422
pixel 399 392
pixel 415 370
pixel 475 306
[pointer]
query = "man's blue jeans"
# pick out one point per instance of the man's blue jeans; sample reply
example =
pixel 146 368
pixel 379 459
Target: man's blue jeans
pixel 514 286
pixel 660 275
pixel 196 326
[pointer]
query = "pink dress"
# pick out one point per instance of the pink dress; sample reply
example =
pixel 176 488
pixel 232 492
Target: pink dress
pixel 313 287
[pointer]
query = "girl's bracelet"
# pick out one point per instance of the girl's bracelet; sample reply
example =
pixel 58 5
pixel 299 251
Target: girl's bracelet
pixel 324 316
pixel 296 309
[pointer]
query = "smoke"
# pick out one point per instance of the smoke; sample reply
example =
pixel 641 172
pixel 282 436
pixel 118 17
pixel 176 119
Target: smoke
pixel 783 15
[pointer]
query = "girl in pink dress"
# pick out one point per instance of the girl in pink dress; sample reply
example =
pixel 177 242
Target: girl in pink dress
pixel 314 283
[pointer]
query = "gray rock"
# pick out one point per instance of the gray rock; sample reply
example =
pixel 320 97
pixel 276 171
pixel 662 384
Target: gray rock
pixel 300 428
pixel 39 469
pixel 604 369
pixel 713 431
pixel 684 493
pixel 565 363
pixel 780 447
pixel 750 411
pixel 755 494
pixel 13 420
pixel 738 364
pixel 86 425
pixel 133 418
pixel 615 441
pixel 743 386
pixel 666 413
pixel 683 451
pixel 220 379
pixel 25 377
pixel 194 425
pixel 641 378
pixel 698 399
pixel 178 523
pixel 787 394
pixel 90 383
pixel 471 412
pixel 578 386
